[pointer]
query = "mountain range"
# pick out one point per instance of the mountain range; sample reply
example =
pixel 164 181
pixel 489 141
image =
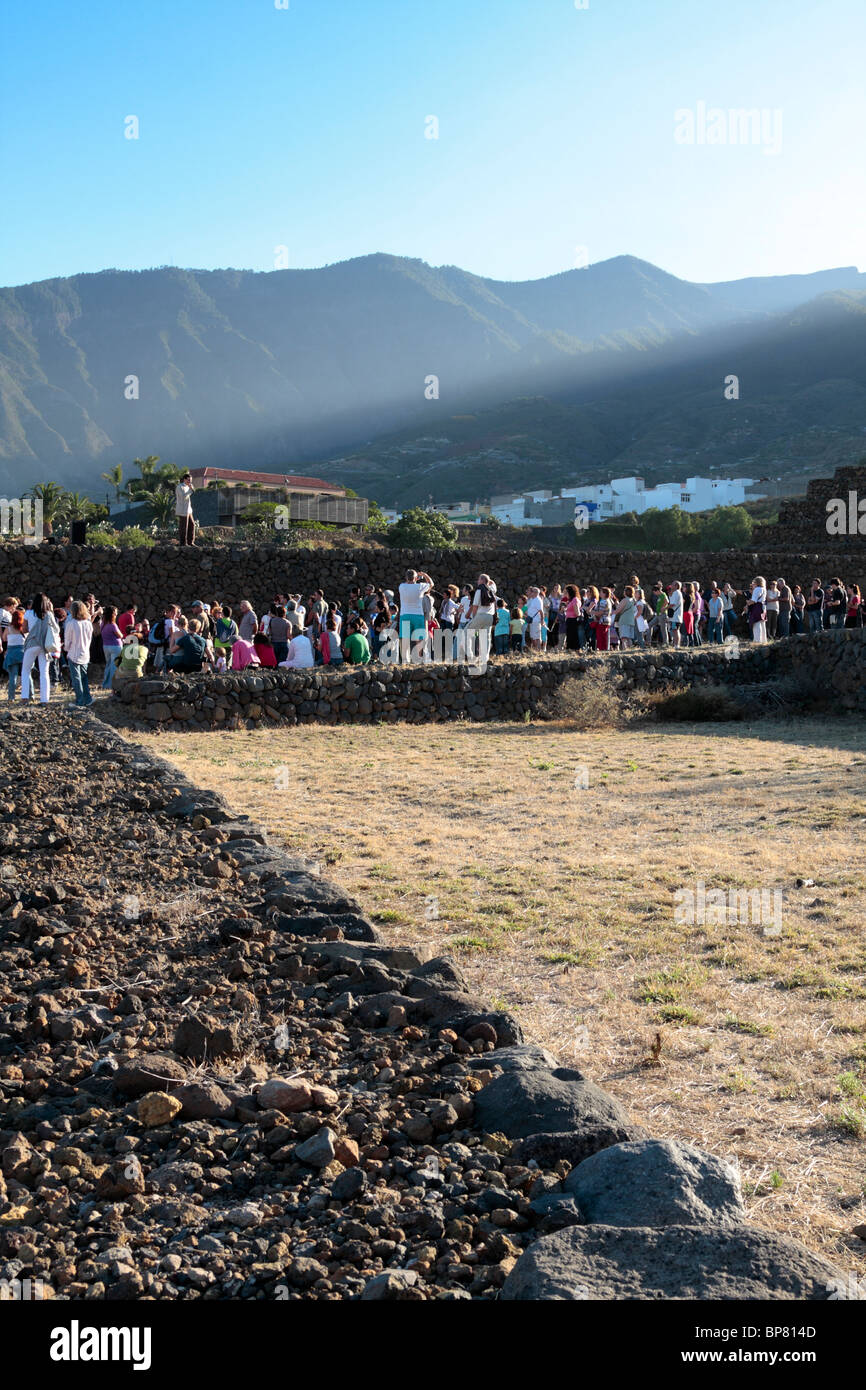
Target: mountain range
pixel 408 381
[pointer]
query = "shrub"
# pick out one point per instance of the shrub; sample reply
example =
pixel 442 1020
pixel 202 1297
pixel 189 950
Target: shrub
pixel 98 536
pixel 590 701
pixel 132 538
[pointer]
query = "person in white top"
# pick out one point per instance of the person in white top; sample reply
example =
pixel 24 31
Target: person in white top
pixel 535 617
pixel 675 613
pixel 757 609
pixel 183 509
pixel 77 635
pixel 482 610
pixel 300 653
pixel 412 591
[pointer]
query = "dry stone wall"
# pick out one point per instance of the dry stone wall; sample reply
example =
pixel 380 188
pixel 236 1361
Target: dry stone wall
pixel 803 520
pixel 508 690
pixel 151 577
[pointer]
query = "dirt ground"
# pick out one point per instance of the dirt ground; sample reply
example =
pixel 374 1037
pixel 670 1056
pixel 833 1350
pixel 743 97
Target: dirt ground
pixel 549 861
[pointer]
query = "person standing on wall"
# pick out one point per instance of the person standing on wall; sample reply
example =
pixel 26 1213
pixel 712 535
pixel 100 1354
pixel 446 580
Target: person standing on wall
pixel 183 508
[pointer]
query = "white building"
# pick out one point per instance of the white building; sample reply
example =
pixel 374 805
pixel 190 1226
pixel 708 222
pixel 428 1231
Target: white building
pixel 696 494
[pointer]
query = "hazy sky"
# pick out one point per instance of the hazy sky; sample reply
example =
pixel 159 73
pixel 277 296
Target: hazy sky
pixel 304 128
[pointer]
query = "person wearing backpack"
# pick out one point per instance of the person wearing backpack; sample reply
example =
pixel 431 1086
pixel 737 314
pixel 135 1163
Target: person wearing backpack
pixel 482 610
pixel 159 637
pixel 225 632
pixel 41 644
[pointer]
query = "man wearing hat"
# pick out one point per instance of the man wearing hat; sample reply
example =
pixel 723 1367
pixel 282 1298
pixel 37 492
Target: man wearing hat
pixel 201 611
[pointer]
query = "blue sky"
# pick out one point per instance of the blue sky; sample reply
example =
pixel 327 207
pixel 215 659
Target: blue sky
pixel 305 128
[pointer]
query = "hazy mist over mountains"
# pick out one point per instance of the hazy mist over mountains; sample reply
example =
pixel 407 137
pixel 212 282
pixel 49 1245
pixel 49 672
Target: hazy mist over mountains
pixel 619 367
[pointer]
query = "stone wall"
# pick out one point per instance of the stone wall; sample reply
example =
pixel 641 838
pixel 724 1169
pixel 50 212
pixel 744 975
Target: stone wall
pixel 803 520
pixel 151 577
pixel 508 690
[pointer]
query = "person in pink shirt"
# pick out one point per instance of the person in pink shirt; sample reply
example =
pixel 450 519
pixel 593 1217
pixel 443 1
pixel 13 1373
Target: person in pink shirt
pixel 244 654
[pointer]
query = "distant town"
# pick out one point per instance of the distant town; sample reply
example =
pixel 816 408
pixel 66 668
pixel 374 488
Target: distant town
pixel 598 501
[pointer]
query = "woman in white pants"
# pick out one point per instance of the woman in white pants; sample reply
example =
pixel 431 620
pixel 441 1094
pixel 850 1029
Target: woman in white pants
pixel 42 641
pixel 758 610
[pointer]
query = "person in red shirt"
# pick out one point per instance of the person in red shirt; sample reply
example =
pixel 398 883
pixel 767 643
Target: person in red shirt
pixel 264 649
pixel 127 620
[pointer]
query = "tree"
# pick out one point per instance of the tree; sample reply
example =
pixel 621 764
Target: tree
pixel 52 496
pixel 725 528
pixel 114 476
pixel 418 529
pixel 146 468
pixel 77 507
pixel 671 529
pixel 260 511
pixel 376 518
pixel 159 504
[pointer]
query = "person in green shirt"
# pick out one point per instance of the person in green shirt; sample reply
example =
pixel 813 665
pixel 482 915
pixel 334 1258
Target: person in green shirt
pixel 133 656
pixel 356 649
pixel 659 620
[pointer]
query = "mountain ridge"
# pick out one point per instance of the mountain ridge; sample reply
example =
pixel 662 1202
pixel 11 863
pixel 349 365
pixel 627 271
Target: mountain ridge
pixel 282 367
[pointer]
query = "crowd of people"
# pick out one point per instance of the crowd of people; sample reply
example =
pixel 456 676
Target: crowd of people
pixel 63 641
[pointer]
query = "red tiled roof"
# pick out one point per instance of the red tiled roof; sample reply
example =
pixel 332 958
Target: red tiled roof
pixel 240 475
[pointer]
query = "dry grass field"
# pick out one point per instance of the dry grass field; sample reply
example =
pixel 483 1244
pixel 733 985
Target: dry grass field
pixel 558 899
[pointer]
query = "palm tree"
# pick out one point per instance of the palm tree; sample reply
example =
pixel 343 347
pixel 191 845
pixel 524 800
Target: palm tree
pixel 159 503
pixel 77 507
pixel 146 468
pixel 168 476
pixel 114 476
pixel 52 496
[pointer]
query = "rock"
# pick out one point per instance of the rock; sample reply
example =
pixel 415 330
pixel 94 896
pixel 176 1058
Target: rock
pixel 324 1097
pixel 179 1175
pixel 123 1178
pixel 391 957
pixel 287 1096
pixel 158 1108
pixel 349 1184
pixel 203 1100
pixel 524 1057
pixel 418 1128
pixel 319 1150
pixel 556 1210
pixel 302 1272
pixel 548 1149
pixel 656 1182
pixel 245 1216
pixel 17 1157
pixel 152 1072
pixel 203 1037
pixel 393 1284
pixel 347 1152
pixel 625 1263
pixel 529 1102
